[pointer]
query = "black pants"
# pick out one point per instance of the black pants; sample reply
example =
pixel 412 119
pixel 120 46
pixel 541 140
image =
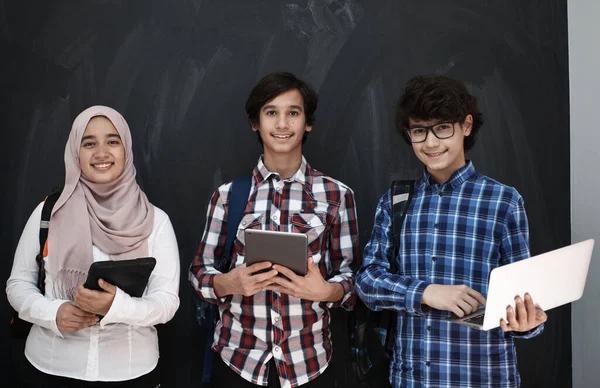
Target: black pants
pixel 34 378
pixel 224 376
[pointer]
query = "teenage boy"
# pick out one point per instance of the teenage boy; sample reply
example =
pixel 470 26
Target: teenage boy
pixel 459 226
pixel 274 330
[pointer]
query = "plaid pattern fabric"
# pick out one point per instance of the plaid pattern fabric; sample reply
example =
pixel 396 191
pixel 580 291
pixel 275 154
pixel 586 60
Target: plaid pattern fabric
pixel 268 324
pixel 454 233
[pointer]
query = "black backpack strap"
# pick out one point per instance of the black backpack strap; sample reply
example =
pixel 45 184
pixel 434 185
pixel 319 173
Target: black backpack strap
pixel 373 332
pixel 401 192
pixel 43 235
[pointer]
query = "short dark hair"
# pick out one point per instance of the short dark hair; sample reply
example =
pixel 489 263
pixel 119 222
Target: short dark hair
pixel 271 86
pixel 437 97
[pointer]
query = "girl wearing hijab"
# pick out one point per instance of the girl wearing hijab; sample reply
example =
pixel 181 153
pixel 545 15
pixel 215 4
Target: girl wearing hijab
pixel 101 214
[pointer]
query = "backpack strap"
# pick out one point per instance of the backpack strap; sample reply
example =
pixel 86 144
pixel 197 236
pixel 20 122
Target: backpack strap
pixel 43 236
pixel 401 192
pixel 238 198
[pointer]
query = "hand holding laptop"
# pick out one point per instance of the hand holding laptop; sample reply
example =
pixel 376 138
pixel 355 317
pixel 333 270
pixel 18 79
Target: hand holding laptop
pixel 543 278
pixel 462 300
pixel 524 317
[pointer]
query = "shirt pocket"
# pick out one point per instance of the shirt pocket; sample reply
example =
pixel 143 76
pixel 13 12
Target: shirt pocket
pixel 249 221
pixel 313 225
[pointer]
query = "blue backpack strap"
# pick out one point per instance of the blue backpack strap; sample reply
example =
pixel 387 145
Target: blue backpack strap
pixel 238 198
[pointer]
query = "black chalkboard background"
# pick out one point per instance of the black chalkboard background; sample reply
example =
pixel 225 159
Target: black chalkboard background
pixel 180 71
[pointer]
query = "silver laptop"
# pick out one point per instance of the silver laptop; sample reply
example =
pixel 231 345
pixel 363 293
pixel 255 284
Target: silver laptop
pixel 552 279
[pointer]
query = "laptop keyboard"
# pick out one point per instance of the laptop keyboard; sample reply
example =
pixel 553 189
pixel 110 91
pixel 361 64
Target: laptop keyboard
pixel 477 319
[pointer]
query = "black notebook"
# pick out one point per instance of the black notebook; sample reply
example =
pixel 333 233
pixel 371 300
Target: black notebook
pixel 130 276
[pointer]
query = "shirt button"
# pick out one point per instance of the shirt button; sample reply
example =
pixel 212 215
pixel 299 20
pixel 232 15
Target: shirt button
pixel 274 218
pixel 276 349
pixel 243 222
pixel 435 225
pixel 434 258
pixel 441 194
pixel 428 363
pixel 276 320
pixel 278 189
pixel 428 328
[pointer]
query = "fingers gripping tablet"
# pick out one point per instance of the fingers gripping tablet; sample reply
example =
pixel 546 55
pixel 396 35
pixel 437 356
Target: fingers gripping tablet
pixel 131 276
pixel 284 248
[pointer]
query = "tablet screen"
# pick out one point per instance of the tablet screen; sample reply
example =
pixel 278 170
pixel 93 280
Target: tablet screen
pixel 284 248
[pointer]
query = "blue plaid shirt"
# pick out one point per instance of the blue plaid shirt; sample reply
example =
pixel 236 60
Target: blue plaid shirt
pixel 454 233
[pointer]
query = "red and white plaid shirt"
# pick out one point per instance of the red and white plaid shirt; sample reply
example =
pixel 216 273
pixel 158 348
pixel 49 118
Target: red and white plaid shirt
pixel 295 332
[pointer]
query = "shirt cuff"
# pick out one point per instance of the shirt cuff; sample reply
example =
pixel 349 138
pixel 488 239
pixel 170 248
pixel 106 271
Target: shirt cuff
pixel 122 307
pixel 207 289
pixel 52 310
pixel 414 296
pixel 347 302
pixel 528 334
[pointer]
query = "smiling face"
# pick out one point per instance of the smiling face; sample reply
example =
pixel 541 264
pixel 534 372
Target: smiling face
pixel 442 157
pixel 281 125
pixel 101 154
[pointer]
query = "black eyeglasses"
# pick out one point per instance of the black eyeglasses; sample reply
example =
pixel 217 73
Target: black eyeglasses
pixel 443 130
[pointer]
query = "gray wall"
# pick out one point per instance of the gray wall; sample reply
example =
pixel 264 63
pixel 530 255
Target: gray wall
pixel 584 62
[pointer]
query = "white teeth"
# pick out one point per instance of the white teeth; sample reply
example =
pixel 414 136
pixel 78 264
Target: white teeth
pixel 104 165
pixel 282 137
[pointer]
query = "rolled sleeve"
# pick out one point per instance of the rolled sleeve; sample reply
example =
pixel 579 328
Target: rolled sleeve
pixel 344 251
pixel 203 270
pixel 349 299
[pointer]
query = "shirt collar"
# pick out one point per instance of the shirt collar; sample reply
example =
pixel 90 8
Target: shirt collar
pixel 303 175
pixel 456 179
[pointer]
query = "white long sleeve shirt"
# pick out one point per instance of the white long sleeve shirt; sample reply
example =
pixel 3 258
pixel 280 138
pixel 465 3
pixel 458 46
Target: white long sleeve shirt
pixel 124 344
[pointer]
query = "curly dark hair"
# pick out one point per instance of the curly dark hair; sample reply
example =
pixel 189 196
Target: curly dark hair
pixel 437 97
pixel 271 86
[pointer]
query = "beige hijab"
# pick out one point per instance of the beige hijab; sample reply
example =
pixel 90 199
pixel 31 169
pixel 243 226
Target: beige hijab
pixel 116 217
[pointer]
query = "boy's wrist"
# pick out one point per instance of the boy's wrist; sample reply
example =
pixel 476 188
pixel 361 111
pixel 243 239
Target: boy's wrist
pixel 335 292
pixel 221 285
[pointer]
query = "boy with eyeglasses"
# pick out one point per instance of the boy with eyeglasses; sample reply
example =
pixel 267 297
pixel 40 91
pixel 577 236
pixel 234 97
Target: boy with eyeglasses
pixel 459 226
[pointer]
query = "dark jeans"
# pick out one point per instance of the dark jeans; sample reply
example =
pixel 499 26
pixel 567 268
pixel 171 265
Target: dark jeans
pixel 224 376
pixel 34 378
